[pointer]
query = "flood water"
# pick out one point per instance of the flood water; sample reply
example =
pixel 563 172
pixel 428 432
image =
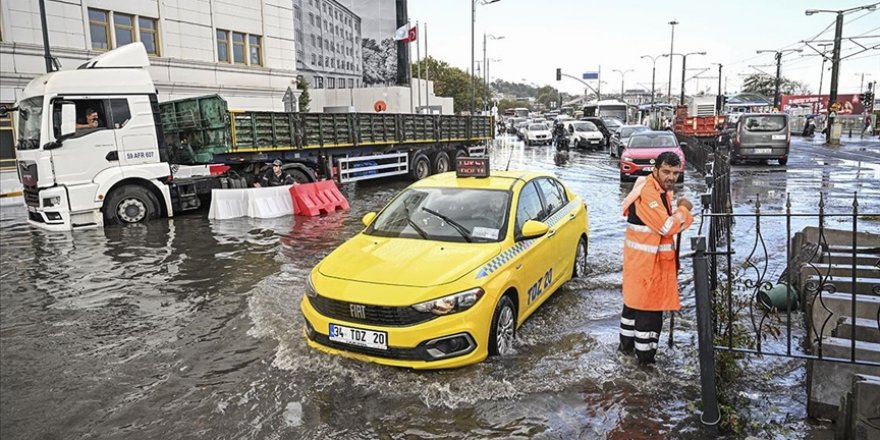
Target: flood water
pixel 190 328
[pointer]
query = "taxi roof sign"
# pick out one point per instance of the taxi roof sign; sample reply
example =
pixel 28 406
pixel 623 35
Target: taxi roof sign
pixel 472 167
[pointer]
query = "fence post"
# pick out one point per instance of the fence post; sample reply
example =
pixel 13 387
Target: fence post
pixel 710 415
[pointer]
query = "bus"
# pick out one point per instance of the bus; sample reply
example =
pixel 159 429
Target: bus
pixel 521 112
pixel 608 107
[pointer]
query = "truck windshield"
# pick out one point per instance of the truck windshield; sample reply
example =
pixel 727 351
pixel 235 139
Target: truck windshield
pixel 472 215
pixel 30 116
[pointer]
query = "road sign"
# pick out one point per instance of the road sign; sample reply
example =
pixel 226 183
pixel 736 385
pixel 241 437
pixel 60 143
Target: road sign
pixel 591 75
pixel 380 106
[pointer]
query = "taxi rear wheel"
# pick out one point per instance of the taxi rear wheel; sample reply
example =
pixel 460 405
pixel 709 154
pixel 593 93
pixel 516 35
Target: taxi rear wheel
pixel 503 330
pixel 580 260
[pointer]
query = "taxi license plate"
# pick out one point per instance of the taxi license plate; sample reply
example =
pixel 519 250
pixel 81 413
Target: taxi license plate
pixel 763 150
pixel 359 337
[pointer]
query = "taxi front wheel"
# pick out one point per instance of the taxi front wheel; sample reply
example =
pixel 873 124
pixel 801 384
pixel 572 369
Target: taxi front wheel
pixel 580 260
pixel 503 329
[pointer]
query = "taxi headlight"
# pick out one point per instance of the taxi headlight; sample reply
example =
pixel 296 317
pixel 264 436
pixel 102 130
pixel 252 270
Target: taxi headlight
pixel 454 303
pixel 310 288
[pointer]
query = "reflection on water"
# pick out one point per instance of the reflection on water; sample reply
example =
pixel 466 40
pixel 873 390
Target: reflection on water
pixel 190 328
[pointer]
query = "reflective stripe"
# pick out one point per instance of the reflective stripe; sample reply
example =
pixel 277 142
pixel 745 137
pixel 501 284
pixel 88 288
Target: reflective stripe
pixel 667 226
pixel 642 247
pixel 645 347
pixel 647 335
pixel 628 333
pixel 625 321
pixel 638 228
pixel 666 247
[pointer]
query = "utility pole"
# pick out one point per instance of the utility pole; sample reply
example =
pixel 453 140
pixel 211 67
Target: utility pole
pixel 719 101
pixel 50 65
pixel 778 55
pixel 671 50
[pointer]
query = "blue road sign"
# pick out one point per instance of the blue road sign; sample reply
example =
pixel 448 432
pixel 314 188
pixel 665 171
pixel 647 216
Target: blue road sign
pixel 591 75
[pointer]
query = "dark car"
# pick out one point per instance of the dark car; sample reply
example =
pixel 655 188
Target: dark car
pixel 621 135
pixel 758 136
pixel 602 127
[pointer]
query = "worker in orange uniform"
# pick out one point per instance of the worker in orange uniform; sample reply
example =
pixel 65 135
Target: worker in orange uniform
pixel 650 265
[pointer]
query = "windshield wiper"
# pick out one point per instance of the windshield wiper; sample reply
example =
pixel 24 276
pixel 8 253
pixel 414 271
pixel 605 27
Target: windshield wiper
pixel 458 227
pixel 413 224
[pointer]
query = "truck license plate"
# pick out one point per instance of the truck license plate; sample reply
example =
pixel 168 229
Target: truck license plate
pixel 359 337
pixel 778 137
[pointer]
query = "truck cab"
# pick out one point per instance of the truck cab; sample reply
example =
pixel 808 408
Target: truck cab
pixel 89 148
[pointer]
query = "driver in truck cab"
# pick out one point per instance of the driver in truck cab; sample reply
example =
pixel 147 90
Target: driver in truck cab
pixel 91 120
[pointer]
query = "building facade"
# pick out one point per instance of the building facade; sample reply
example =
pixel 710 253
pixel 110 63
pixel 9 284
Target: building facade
pixel 328 44
pixel 243 50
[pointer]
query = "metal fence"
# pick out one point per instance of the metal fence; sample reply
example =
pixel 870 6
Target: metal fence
pixel 735 308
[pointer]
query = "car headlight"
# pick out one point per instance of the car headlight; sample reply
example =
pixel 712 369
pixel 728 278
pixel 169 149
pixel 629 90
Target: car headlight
pixel 449 304
pixel 627 159
pixel 311 292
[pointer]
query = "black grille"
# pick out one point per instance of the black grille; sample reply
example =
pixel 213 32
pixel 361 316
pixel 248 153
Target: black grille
pixel 35 217
pixel 31 196
pixel 642 161
pixel 373 315
pixel 407 354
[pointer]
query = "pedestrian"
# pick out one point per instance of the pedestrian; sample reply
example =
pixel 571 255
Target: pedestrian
pixel 275 176
pixel 867 130
pixel 650 264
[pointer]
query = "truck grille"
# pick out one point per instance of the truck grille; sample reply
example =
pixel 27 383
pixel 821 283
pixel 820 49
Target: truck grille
pixel 31 196
pixel 373 315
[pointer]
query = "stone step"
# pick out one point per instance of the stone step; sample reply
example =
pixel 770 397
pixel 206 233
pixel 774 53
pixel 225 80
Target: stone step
pixel 863 285
pixel 847 249
pixel 828 381
pixel 866 329
pixel 847 258
pixel 865 407
pixel 840 270
pixel 834 306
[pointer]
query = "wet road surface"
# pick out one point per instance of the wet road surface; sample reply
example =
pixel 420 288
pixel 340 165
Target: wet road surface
pixel 190 328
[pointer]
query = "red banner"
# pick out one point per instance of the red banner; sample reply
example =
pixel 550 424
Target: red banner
pixel 850 104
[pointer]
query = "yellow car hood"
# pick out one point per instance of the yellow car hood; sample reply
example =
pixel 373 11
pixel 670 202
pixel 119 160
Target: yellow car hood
pixel 405 261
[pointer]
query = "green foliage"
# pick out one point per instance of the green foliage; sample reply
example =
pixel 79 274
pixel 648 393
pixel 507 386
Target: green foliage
pixel 454 83
pixel 505 104
pixel 766 85
pixel 304 98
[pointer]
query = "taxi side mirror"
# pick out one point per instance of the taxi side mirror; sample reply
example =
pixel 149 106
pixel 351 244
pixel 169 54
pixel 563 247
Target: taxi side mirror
pixel 534 229
pixel 368 218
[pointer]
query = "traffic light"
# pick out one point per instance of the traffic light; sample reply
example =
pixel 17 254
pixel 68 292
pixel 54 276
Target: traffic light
pixel 558 74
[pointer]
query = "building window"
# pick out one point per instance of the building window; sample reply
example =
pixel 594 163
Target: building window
pixel 223 46
pixel 7 142
pixel 297 13
pixel 299 37
pixel 254 47
pixel 319 82
pixel 313 40
pixel 333 63
pixel 350 83
pixel 314 59
pixel 321 61
pixel 123 28
pixel 327 61
pixel 327 44
pixel 149 35
pixel 99 25
pixel 238 48
pixel 331 83
pixel 311 19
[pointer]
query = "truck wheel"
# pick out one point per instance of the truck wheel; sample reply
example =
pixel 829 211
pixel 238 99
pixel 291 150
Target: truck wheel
pixel 130 204
pixel 783 161
pixel 440 162
pixel 419 167
pixel 458 153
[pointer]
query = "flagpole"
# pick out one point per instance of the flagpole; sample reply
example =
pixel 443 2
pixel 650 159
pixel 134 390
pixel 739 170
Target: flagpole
pixel 427 67
pixel 409 72
pixel 418 66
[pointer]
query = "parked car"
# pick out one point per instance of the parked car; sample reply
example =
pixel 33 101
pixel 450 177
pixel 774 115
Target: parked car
pixel 642 149
pixel 521 130
pixel 620 136
pixel 600 124
pixel 584 134
pixel 758 136
pixel 538 134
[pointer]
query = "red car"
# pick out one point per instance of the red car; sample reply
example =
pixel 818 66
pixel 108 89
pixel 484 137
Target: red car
pixel 642 150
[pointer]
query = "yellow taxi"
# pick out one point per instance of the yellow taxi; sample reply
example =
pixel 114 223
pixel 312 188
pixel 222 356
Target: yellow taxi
pixel 445 274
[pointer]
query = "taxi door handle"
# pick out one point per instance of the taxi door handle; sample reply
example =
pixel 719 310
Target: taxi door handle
pixel 551 233
pixel 519 266
pixel 572 216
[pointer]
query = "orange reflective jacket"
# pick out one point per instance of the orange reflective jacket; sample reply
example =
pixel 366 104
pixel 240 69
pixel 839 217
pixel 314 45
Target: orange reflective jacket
pixel 650 275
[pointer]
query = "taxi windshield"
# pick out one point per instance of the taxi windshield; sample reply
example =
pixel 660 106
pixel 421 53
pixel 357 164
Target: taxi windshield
pixel 445 214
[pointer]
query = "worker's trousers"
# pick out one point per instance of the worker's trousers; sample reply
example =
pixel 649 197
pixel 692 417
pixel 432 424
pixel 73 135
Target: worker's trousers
pixel 640 331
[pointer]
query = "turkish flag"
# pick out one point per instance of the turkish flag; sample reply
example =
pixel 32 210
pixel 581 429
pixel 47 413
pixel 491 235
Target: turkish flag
pixel 412 34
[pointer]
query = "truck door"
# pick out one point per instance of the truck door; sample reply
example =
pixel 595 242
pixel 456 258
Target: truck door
pixel 92 149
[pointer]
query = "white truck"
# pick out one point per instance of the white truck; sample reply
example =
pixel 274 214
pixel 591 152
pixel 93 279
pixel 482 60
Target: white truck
pixel 147 160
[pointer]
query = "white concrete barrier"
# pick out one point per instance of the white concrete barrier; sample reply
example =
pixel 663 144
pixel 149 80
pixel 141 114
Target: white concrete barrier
pixel 268 202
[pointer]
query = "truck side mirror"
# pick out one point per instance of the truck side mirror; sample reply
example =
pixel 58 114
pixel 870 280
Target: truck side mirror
pixel 68 120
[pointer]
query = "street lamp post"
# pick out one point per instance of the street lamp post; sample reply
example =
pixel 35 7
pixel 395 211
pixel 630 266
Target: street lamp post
pixel 485 60
pixel 671 46
pixel 473 73
pixel 778 55
pixel 622 76
pixel 653 75
pixel 718 100
pixel 683 69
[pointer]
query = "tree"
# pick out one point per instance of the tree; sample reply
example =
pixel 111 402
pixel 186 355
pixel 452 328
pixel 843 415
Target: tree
pixel 766 85
pixel 380 61
pixel 506 104
pixel 454 83
pixel 545 95
pixel 304 98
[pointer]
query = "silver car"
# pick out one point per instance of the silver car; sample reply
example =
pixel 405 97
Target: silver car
pixel 759 136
